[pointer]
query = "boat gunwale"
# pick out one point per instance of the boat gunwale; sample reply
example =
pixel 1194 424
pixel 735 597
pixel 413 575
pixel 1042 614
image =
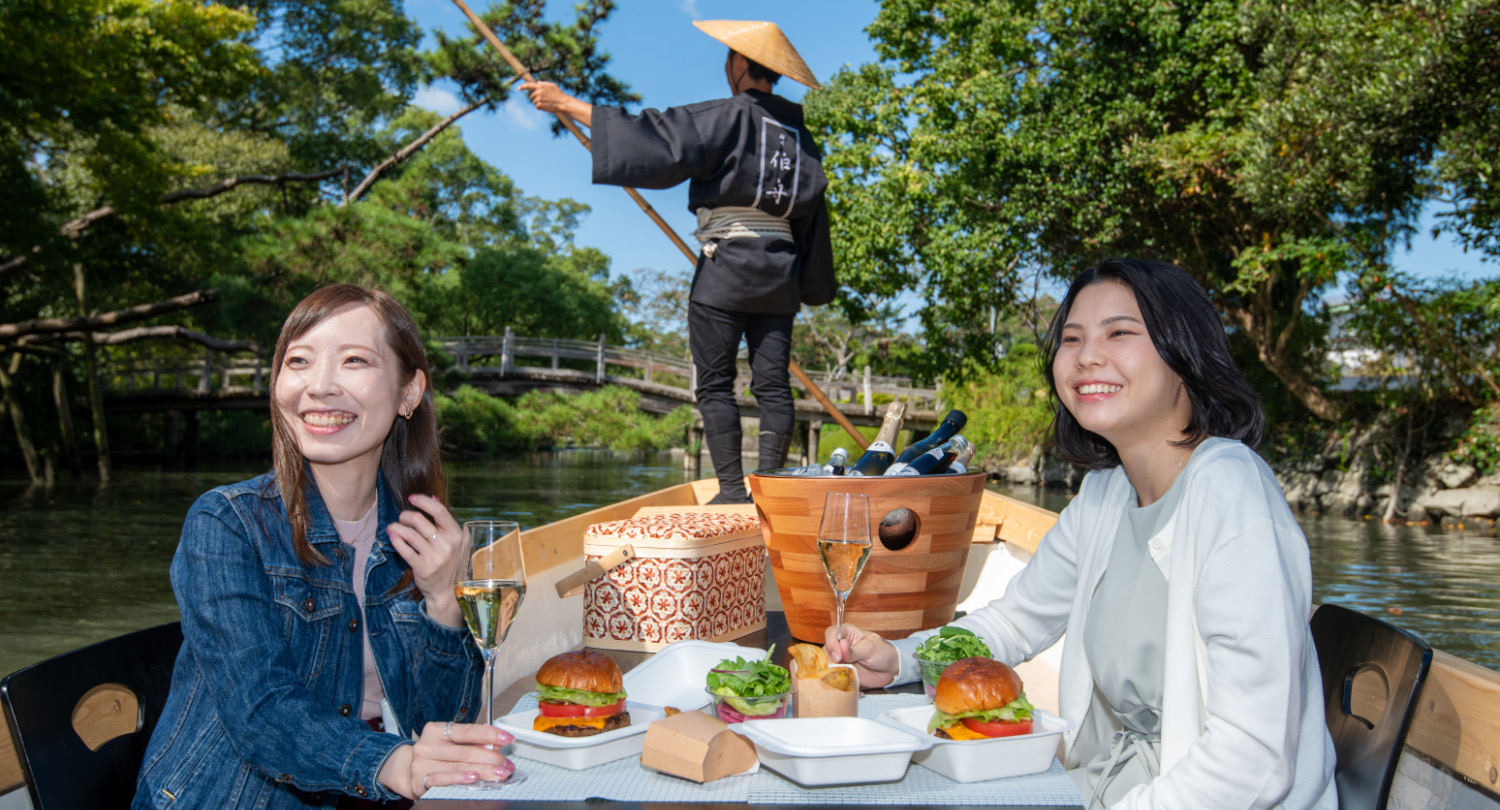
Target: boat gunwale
pixel 1456 727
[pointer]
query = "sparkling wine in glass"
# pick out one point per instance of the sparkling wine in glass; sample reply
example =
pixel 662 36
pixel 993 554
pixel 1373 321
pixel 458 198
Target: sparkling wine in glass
pixel 490 589
pixel 844 543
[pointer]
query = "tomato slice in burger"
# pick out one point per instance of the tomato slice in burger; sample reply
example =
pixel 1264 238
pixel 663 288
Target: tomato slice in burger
pixel 997 729
pixel 551 709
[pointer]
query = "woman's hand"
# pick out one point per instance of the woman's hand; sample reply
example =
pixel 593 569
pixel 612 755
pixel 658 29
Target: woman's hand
pixel 548 97
pixel 448 754
pixel 433 544
pixel 874 658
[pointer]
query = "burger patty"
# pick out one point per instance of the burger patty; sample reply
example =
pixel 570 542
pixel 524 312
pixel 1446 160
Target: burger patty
pixel 611 723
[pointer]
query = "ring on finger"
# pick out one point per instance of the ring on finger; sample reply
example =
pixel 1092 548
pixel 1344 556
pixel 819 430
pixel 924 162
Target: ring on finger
pixel 448 731
pixel 432 537
pixel 426 787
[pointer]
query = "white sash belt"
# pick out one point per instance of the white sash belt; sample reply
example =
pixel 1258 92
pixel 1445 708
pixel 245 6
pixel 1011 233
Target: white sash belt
pixel 735 222
pixel 1127 745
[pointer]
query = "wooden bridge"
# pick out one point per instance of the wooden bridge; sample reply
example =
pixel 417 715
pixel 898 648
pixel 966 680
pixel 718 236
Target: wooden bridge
pixel 510 365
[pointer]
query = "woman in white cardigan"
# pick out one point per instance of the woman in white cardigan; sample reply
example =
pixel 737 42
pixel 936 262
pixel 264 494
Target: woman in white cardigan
pixel 1177 573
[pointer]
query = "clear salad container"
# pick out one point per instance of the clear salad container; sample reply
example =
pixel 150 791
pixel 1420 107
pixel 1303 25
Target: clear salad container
pixel 931 671
pixel 734 709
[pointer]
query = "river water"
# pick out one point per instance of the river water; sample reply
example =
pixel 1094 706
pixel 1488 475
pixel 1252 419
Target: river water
pixel 80 562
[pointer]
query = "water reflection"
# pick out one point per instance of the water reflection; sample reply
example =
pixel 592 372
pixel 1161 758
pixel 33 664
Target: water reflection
pixel 82 563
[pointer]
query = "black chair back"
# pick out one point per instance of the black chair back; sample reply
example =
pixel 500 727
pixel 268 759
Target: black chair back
pixel 1372 675
pixel 81 720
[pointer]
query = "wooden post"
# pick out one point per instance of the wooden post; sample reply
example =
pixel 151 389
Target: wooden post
pixel 206 374
pixel 599 368
pixel 648 368
pixel 96 394
pixel 65 419
pixel 690 458
pixel 814 439
pixel 171 432
pixel 693 380
pixel 556 354
pixel 18 418
pixel 194 419
pixel 507 359
pixel 869 395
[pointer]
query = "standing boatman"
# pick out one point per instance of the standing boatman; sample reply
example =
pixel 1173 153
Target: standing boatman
pixel 755 180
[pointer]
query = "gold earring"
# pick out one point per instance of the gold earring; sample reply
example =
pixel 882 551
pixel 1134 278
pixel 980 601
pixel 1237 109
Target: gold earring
pixel 409 411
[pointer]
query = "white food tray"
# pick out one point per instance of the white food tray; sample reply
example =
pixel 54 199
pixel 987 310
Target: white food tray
pixel 677 676
pixel 673 677
pixel 577 753
pixel 980 760
pixel 816 751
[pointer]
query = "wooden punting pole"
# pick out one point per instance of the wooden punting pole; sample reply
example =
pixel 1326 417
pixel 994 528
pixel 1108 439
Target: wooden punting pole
pixel 572 126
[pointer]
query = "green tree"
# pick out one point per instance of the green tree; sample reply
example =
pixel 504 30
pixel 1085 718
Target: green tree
pixel 163 153
pixel 1267 148
pixel 82 85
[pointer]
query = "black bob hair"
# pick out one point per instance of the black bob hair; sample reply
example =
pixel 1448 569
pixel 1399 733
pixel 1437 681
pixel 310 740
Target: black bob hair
pixel 758 71
pixel 1188 334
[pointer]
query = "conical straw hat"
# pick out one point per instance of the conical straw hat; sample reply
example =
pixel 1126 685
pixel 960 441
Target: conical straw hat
pixel 764 43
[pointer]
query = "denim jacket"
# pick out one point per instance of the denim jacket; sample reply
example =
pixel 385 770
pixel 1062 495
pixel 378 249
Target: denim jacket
pixel 264 706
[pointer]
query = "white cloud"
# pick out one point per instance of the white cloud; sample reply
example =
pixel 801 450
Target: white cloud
pixel 438 100
pixel 522 114
pixel 689 7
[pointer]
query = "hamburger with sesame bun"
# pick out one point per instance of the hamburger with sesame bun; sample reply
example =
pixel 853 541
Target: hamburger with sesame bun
pixel 977 699
pixel 580 694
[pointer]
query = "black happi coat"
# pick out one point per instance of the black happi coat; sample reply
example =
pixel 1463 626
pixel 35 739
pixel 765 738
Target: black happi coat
pixel 749 150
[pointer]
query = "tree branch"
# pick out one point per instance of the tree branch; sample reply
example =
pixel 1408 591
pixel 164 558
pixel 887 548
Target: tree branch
pixel 249 179
pixel 11 265
pixel 74 227
pixel 142 333
pixel 45 326
pixel 406 151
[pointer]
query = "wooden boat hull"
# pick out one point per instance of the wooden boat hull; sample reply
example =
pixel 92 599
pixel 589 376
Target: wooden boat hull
pixel 1452 755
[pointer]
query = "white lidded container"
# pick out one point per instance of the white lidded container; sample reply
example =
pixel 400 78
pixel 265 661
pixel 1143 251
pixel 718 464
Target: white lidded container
pixel 673 677
pixel 815 751
pixel 678 675
pixel 577 753
pixel 981 760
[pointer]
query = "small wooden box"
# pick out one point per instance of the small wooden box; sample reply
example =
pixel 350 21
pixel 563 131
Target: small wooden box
pixel 698 573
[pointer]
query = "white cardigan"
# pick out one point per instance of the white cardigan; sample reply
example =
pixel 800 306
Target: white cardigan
pixel 1242 715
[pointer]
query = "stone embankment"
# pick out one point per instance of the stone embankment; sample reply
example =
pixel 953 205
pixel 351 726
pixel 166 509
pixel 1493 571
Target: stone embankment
pixel 1371 471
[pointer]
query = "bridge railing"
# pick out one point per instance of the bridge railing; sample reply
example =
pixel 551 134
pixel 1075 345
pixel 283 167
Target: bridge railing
pixel 862 391
pixel 515 356
pixel 214 374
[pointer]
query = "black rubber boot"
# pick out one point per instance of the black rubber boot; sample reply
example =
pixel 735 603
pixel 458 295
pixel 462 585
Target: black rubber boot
pixel 724 449
pixel 773 447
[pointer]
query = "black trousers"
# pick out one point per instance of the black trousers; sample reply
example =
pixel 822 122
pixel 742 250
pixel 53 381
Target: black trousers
pixel 714 335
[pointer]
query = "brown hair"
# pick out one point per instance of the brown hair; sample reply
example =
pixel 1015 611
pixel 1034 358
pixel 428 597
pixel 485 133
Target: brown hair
pixel 411 458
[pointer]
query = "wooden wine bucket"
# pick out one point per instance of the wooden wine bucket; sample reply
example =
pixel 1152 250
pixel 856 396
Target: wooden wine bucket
pixel 904 588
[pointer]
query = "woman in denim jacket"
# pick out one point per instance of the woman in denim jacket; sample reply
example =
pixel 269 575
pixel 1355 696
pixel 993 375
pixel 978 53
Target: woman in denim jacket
pixel 315 594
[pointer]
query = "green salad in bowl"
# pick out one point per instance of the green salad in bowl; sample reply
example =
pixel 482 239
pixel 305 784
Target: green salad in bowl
pixel 949 645
pixel 749 690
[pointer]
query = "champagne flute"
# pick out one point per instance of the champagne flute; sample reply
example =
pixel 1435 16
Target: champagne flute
pixel 844 544
pixel 490 589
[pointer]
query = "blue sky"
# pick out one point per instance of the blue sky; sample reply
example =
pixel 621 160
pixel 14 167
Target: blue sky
pixel 655 48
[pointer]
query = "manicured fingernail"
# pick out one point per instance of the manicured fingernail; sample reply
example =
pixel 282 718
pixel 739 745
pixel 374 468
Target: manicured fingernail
pixel 504 771
pixel 504 737
pixel 470 777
